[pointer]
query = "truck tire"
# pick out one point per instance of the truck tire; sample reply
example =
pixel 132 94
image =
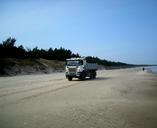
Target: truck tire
pixel 70 78
pixel 92 75
pixel 82 77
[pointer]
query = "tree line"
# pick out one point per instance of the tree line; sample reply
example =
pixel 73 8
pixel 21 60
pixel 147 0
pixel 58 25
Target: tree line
pixel 104 62
pixel 8 49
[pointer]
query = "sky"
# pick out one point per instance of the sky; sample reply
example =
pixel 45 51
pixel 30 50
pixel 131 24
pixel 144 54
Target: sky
pixel 116 30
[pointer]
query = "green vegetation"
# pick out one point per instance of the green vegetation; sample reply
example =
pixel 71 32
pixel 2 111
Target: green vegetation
pixel 106 62
pixel 9 50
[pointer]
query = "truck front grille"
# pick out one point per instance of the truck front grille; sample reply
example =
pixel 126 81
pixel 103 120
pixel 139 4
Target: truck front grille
pixel 72 70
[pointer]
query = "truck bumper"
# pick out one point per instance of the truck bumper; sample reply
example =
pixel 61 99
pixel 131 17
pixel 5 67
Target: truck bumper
pixel 74 75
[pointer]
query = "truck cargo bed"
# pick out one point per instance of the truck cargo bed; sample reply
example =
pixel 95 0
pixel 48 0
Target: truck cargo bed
pixel 91 66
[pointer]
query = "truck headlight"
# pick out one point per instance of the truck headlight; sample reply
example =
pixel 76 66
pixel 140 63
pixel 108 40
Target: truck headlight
pixel 78 69
pixel 66 69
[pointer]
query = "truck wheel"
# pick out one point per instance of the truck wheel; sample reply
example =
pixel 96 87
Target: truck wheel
pixel 94 76
pixel 91 76
pixel 70 78
pixel 82 77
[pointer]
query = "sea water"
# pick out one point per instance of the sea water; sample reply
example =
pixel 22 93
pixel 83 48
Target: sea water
pixel 152 68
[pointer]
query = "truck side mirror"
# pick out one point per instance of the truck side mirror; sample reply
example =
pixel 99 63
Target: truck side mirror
pixel 65 63
pixel 81 62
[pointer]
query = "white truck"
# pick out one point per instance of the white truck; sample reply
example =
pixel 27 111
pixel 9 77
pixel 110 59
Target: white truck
pixel 79 68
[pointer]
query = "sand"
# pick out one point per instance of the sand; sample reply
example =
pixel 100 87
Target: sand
pixel 125 98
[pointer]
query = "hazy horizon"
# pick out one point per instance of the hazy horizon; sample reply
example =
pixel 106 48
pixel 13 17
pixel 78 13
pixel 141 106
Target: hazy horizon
pixel 123 30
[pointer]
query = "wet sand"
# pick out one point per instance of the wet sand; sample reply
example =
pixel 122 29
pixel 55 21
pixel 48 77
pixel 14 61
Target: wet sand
pixel 124 98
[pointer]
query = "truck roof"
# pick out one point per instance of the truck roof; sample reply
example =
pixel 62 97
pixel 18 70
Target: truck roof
pixel 76 58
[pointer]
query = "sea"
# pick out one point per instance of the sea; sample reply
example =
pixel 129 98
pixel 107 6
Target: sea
pixel 152 69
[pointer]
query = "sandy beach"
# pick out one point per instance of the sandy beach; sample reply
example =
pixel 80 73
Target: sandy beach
pixel 125 98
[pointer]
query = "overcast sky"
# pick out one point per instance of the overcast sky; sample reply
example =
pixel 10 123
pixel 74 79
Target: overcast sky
pixel 117 30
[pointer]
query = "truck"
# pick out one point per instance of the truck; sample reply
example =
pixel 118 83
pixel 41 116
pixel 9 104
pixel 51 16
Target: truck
pixel 80 68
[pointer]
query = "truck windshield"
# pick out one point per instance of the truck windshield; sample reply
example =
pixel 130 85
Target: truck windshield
pixel 74 62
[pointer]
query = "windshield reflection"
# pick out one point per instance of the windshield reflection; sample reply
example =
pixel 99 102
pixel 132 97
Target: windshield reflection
pixel 74 62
